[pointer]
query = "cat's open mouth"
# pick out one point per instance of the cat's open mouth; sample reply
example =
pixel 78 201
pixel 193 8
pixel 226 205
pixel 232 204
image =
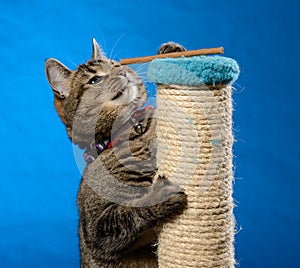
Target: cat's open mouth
pixel 119 94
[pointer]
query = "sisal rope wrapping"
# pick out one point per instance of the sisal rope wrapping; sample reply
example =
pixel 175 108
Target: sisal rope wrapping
pixel 194 131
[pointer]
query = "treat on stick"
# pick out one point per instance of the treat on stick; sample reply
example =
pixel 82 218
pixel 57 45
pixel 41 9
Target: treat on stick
pixel 188 53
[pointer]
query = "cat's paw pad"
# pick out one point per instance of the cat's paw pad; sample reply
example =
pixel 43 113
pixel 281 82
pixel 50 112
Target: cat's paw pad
pixel 170 47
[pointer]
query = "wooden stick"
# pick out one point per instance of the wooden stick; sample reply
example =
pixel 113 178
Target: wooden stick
pixel 188 53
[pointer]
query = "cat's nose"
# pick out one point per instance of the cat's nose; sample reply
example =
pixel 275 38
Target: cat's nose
pixel 121 72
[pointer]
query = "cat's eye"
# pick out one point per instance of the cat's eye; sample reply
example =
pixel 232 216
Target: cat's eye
pixel 95 80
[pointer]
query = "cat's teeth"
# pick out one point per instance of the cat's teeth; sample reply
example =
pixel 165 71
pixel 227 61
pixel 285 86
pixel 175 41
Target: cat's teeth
pixel 132 92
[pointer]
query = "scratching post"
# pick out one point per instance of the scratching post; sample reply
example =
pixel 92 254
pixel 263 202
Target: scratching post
pixel 194 131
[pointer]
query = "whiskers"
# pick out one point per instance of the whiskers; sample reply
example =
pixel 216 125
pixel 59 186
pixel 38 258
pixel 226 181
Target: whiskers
pixel 237 88
pixel 141 70
pixel 103 44
pixel 111 56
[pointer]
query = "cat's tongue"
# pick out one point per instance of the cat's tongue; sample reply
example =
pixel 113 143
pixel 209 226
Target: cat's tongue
pixel 140 113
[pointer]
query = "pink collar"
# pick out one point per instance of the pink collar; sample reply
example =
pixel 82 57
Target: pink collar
pixel 94 150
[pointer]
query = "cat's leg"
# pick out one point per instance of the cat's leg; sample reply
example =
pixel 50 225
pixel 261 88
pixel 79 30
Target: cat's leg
pixel 114 232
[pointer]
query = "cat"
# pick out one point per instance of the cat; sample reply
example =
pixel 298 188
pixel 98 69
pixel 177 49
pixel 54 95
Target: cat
pixel 121 200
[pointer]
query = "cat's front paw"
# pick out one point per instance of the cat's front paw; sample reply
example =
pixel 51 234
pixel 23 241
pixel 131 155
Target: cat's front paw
pixel 169 194
pixel 164 197
pixel 164 188
pixel 170 47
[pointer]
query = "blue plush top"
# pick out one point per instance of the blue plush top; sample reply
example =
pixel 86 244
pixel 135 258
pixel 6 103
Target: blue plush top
pixel 193 71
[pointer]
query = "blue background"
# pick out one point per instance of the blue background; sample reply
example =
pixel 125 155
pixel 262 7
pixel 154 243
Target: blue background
pixel 39 176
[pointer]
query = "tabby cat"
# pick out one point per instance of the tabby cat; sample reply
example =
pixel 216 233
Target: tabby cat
pixel 121 201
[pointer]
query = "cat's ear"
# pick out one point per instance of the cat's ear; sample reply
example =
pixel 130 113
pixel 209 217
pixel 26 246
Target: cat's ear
pixel 97 51
pixel 57 74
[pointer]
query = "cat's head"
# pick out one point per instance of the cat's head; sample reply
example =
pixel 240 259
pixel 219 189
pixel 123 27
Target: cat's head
pixel 91 98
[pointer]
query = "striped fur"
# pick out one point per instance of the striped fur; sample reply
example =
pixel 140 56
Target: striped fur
pixel 120 200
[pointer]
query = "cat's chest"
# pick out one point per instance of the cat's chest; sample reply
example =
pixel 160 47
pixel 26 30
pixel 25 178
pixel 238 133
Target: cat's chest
pixel 131 160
